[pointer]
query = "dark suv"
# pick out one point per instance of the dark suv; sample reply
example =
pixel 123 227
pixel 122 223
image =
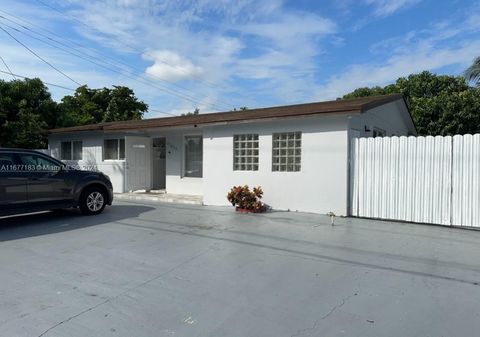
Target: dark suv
pixel 32 181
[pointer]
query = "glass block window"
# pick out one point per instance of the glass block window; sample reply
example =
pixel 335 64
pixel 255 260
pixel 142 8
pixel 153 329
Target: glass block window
pixel 287 152
pixel 245 152
pixel 71 150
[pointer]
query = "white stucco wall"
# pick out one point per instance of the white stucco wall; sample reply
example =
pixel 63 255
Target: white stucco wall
pixel 392 117
pixel 320 186
pixel 92 155
pixel 116 169
pixel 175 182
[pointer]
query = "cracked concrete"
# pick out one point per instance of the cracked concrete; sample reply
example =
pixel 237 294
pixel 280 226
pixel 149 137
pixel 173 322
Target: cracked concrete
pixel 176 270
pixel 123 293
pixel 303 332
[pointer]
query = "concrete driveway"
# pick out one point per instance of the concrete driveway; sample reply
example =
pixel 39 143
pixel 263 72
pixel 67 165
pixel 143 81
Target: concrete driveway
pixel 170 270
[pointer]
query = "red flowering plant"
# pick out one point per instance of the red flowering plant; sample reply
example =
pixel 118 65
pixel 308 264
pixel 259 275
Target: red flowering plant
pixel 243 199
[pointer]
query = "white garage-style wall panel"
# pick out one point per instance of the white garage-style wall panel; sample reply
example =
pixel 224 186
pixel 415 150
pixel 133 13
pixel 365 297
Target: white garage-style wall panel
pixel 419 179
pixel 402 178
pixel 466 180
pixel 320 186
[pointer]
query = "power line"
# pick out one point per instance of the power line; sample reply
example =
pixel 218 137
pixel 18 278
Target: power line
pixel 62 38
pixel 208 83
pixel 52 84
pixel 70 89
pixel 115 38
pixel 29 78
pixel 38 56
pixel 54 34
pixel 163 88
pixel 6 66
pixel 163 112
pixel 225 106
pixel 131 74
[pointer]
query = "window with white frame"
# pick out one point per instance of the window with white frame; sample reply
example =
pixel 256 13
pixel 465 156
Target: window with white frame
pixel 71 150
pixel 114 149
pixel 245 152
pixel 193 160
pixel 286 152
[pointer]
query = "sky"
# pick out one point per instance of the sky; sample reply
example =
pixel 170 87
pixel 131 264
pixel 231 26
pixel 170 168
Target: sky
pixel 217 55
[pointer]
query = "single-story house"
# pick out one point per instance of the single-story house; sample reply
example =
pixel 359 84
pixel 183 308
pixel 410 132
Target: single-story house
pixel 299 154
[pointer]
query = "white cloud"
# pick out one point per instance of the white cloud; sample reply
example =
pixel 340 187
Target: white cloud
pixel 370 75
pixel 388 7
pixel 23 63
pixel 291 44
pixel 443 44
pixel 290 26
pixel 218 41
pixel 170 66
pixel 473 21
pixel 226 54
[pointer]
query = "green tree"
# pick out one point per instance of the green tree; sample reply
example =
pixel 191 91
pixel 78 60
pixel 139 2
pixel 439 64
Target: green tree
pixel 123 105
pixel 88 106
pixel 242 108
pixel 28 131
pixel 473 72
pixel 194 113
pixel 363 92
pixel 440 105
pixel 26 112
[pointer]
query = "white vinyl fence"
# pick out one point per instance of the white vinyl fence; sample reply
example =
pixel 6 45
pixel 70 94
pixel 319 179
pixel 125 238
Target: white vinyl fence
pixel 420 179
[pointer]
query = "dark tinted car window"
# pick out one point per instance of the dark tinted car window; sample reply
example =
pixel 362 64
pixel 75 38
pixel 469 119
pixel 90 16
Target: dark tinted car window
pixel 7 160
pixel 34 162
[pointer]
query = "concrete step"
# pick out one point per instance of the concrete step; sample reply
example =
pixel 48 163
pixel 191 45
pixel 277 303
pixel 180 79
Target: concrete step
pixel 164 197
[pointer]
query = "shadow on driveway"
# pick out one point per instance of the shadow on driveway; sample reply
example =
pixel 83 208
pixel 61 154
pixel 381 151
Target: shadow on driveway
pixel 29 225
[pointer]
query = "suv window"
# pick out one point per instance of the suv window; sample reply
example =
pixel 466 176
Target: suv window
pixel 7 162
pixel 35 162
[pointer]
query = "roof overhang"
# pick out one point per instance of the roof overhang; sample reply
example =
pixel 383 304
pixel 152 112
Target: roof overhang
pixel 329 108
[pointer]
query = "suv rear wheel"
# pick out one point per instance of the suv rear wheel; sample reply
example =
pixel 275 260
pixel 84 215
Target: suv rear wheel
pixel 92 201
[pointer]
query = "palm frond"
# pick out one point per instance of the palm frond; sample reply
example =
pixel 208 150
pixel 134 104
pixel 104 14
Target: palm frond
pixel 473 72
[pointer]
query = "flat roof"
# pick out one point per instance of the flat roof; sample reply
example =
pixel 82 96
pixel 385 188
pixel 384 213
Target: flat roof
pixel 337 107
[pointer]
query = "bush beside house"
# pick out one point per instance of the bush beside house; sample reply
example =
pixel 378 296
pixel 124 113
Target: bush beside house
pixel 246 200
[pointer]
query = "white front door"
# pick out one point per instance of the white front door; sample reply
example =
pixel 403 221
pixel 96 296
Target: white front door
pixel 137 157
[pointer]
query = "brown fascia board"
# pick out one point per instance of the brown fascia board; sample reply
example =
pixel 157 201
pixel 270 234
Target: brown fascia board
pixel 388 99
pixel 381 100
pixel 339 107
pixel 89 127
pixel 148 124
